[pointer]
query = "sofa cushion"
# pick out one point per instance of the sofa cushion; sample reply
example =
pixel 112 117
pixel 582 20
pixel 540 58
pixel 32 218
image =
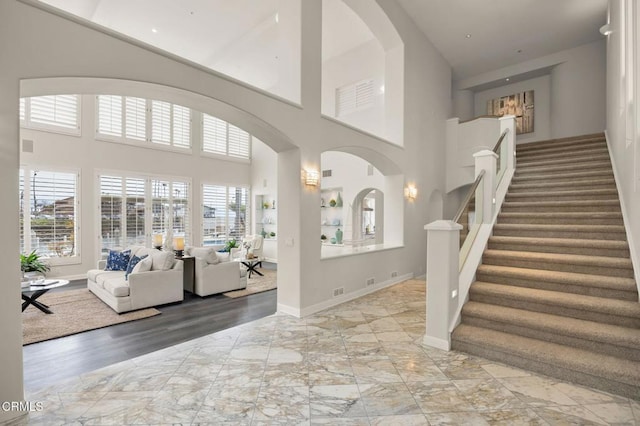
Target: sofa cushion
pixel 144 265
pixel 223 256
pixel 208 254
pixel 162 261
pixel 117 286
pixel 102 278
pixel 98 275
pixel 118 260
pixel 132 264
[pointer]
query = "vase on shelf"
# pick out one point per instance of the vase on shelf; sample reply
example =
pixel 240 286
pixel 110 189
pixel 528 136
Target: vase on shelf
pixel 339 236
pixel 338 200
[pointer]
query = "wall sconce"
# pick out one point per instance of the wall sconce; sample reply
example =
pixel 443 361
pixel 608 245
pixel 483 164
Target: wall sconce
pixel 605 30
pixel 157 241
pixel 411 192
pixel 178 245
pixel 311 177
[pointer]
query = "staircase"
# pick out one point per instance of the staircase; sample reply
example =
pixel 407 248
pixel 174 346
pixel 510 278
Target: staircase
pixel 555 292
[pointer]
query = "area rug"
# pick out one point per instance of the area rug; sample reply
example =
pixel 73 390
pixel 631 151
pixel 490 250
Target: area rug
pixel 257 284
pixel 74 311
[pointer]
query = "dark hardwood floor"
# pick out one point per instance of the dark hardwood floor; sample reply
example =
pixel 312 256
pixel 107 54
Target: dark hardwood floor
pixel 46 363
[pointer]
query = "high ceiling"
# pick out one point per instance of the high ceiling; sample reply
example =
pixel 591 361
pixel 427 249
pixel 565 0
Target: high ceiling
pixel 499 29
pixel 501 32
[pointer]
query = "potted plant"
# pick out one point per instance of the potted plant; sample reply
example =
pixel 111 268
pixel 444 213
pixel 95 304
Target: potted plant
pixel 323 237
pixel 272 234
pixel 32 265
pixel 233 243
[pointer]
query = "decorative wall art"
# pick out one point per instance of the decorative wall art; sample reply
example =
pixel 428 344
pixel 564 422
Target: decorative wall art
pixel 518 104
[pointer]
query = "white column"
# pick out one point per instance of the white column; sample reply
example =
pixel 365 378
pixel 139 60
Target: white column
pixel 443 253
pixel 486 160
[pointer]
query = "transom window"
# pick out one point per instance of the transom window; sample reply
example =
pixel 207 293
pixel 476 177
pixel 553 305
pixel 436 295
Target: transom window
pixel 56 113
pixel 220 137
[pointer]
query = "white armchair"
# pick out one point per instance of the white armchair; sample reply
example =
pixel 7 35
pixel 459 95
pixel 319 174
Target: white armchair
pixel 216 272
pixel 254 255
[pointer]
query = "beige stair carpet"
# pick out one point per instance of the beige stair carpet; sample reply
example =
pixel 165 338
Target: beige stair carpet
pixel 556 291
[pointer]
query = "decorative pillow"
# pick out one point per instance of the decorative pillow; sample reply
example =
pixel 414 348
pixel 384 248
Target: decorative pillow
pixel 118 260
pixel 222 257
pixel 206 253
pixel 162 261
pixel 132 264
pixel 144 265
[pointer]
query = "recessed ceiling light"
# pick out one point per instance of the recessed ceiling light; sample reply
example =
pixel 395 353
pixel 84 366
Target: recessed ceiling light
pixel 154 30
pixel 277 18
pixel 507 79
pixel 467 36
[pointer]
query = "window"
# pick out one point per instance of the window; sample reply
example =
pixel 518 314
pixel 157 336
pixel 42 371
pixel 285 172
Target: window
pixel 131 119
pixel 56 113
pixel 354 97
pixel 49 213
pixel 224 213
pixel 220 137
pixel 129 217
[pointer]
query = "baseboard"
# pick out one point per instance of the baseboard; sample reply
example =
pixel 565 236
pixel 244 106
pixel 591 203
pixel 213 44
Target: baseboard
pixel 625 217
pixel 434 342
pixel 310 310
pixel 285 309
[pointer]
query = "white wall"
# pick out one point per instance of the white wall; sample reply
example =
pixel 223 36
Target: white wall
pixel 89 156
pixel 363 62
pixel 570 96
pixel 36 44
pixel 264 181
pixel 625 148
pixel 541 99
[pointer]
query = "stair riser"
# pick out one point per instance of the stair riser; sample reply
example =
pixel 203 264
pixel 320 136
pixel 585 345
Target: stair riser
pixel 585 154
pixel 602 383
pixel 577 196
pixel 558 286
pixel 605 348
pixel 563 170
pixel 544 248
pixel 559 310
pixel 580 235
pixel 562 267
pixel 576 186
pixel 552 147
pixel 526 163
pixel 559 208
pixel 559 220
pixel 568 178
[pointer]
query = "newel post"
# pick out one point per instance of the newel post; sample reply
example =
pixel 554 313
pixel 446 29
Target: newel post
pixel 486 160
pixel 443 257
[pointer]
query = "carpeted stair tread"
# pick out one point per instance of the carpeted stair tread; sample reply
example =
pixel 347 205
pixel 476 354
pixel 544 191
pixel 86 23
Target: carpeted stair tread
pixel 579 246
pixel 563 206
pixel 579 141
pixel 565 168
pixel 592 183
pixel 573 155
pixel 564 278
pixel 558 150
pixel 577 218
pixel 592 194
pixel 570 327
pixel 558 300
pixel 574 259
pixel 605 232
pixel 565 177
pixel 561 160
pixel 608 371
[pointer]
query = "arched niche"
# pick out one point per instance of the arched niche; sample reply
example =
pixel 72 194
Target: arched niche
pixel 356 192
pixel 362 68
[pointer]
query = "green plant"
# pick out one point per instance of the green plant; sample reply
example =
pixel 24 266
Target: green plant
pixel 31 263
pixel 233 243
pixel 323 237
pixel 332 202
pixel 272 234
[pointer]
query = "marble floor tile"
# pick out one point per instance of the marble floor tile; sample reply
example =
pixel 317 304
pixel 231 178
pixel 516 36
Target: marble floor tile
pixel 336 401
pixel 388 399
pixel 359 363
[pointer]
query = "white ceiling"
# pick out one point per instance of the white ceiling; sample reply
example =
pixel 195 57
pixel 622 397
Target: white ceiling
pixel 205 31
pixel 499 28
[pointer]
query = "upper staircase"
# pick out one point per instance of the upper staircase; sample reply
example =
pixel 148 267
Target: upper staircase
pixel 556 292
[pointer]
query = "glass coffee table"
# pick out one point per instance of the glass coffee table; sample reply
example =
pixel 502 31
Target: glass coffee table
pixel 31 293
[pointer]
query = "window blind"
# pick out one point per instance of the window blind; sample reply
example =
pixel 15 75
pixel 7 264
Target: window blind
pixel 135 210
pixel 238 142
pixel 214 135
pixel 60 111
pixel 136 118
pixel 224 213
pixel 353 97
pixel 161 122
pixel 181 126
pixel 111 212
pixel 109 115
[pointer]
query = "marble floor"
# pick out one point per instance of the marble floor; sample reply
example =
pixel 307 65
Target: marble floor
pixel 360 363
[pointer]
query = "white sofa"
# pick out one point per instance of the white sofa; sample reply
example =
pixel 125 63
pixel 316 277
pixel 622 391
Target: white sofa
pixel 160 285
pixel 216 272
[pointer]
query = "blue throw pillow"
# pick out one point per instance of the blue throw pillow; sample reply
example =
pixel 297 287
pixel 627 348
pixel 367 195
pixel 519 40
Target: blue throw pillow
pixel 118 260
pixel 132 264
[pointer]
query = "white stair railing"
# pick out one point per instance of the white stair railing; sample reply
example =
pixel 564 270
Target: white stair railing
pixel 451 261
